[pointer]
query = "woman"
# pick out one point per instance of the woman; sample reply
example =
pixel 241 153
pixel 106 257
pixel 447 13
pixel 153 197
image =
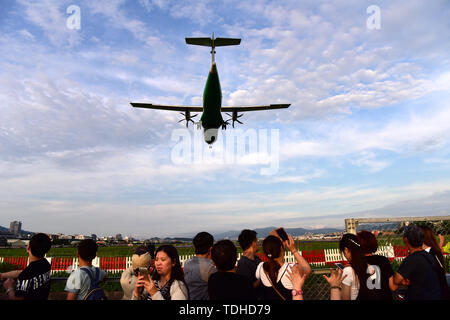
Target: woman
pixel 431 246
pixel 383 274
pixel 354 286
pixel 274 275
pixel 168 281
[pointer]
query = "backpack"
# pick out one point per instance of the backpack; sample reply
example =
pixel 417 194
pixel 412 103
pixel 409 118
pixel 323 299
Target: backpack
pixel 440 271
pixel 95 292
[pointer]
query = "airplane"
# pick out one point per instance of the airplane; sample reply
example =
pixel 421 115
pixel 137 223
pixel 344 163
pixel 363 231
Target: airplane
pixel 211 119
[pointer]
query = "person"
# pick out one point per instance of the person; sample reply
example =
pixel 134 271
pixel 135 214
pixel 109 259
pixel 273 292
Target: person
pixel 78 283
pixel 33 282
pixel 225 284
pixel 356 285
pixel 249 261
pixel 167 283
pixel 273 274
pixel 379 281
pixel 431 246
pixel 419 271
pixel 142 258
pixel 198 269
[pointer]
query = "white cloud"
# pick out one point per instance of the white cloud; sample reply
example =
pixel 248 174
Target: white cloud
pixel 317 173
pixel 51 17
pixel 415 134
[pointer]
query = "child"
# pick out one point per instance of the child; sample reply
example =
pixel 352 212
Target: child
pixel 78 284
pixel 33 283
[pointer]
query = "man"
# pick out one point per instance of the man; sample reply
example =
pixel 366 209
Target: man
pixel 419 270
pixel 79 282
pixel 33 283
pixel 198 269
pixel 249 261
pixel 226 284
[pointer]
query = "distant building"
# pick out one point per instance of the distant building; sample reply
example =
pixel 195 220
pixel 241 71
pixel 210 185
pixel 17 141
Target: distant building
pixel 82 237
pixel 118 237
pixel 15 227
pixel 66 237
pixel 94 237
pixel 16 243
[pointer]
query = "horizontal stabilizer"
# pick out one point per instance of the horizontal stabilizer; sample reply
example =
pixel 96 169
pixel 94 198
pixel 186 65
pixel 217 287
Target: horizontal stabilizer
pixel 166 107
pixel 208 42
pixel 254 108
pixel 220 42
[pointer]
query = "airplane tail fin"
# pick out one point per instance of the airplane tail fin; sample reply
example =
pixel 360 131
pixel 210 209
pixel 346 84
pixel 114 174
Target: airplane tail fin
pixel 211 42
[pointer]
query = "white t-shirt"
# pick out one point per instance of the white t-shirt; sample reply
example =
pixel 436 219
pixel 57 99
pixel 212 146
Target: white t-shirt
pixel 352 281
pixel 79 282
pixel 282 274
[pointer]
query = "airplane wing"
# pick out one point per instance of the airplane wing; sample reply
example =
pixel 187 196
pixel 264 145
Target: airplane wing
pixel 164 107
pixel 254 108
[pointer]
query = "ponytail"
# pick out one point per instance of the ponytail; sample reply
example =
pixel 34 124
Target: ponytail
pixel 272 247
pixel 358 259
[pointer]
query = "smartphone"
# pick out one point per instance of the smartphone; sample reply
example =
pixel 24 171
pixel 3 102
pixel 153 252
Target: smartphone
pixel 282 233
pixel 143 271
pixel 339 265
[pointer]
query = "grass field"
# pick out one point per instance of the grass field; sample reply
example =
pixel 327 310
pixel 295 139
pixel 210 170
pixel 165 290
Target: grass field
pixel 121 251
pixel 187 249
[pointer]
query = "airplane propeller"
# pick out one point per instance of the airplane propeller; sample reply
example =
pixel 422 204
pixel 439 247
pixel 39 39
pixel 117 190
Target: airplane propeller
pixel 187 117
pixel 234 117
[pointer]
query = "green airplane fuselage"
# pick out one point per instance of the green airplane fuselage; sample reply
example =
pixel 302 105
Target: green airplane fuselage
pixel 212 101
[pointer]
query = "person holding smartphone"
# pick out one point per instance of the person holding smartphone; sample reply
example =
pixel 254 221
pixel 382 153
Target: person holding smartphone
pixel 141 260
pixel 167 282
pixel 289 243
pixel 274 275
pixel 355 286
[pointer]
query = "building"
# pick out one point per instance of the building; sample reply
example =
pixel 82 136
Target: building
pixel 15 227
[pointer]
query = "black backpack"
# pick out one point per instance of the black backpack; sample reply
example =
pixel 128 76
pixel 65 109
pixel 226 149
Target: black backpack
pixel 95 292
pixel 440 272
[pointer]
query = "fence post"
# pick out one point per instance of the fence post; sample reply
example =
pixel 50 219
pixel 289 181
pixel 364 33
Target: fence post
pixel 96 262
pixel 351 225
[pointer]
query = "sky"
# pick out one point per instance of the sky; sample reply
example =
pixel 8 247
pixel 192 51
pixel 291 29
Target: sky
pixel 367 133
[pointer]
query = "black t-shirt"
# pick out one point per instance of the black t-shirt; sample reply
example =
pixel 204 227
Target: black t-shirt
pixel 420 268
pixel 33 282
pixel 378 283
pixel 247 267
pixel 230 286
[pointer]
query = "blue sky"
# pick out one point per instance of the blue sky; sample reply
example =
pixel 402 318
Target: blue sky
pixel 367 134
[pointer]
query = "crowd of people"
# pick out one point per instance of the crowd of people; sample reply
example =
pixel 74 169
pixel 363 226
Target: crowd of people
pixel 215 273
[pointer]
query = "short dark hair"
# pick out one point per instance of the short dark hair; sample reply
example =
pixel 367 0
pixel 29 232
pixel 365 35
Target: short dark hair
pixel 368 241
pixel 87 249
pixel 246 238
pixel 203 241
pixel 224 255
pixel 415 235
pixel 40 244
